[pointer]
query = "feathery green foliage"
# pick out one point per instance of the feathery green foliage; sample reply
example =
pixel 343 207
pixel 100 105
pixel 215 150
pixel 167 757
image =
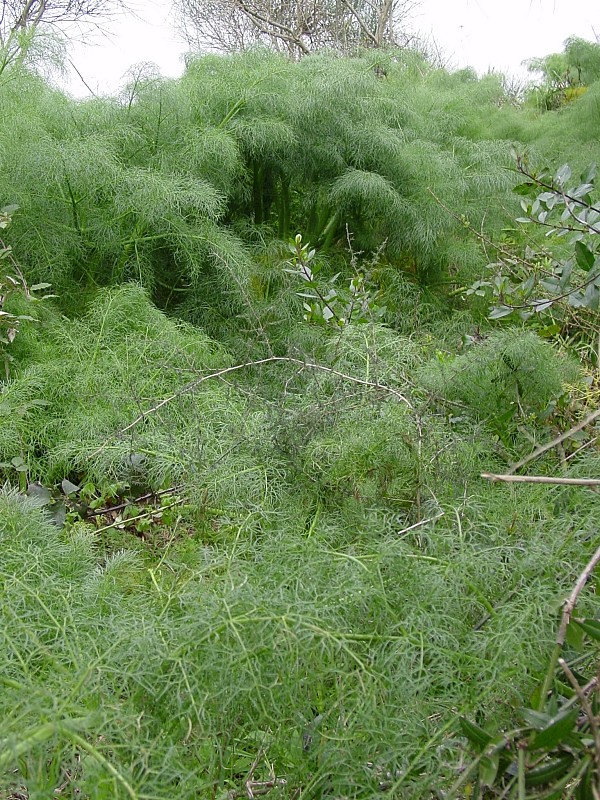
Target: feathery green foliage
pixel 329 583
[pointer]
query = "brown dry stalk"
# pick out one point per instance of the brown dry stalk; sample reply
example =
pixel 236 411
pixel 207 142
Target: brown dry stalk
pixel 541 479
pixel 559 439
pixel 574 596
pixel 587 710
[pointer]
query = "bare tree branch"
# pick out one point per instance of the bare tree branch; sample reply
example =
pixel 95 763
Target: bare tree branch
pixel 299 26
pixel 20 21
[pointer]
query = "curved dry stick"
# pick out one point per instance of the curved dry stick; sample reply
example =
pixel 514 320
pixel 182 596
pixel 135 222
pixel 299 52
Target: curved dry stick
pixel 270 360
pixel 588 711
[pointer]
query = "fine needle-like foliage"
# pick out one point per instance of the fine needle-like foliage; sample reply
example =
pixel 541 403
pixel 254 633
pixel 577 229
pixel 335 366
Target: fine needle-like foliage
pixel 248 542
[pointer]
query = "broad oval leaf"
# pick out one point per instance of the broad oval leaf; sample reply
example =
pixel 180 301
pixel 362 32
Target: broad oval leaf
pixel 69 488
pixel 497 312
pixel 488 768
pixel 41 494
pixel 548 773
pixel 590 626
pixel 584 256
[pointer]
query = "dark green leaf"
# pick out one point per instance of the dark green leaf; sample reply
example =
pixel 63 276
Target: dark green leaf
pixel 567 269
pixel 575 636
pixel 488 768
pixel 58 514
pixel 591 297
pixel 590 626
pixel 528 285
pixel 559 729
pixel 40 493
pixel 474 733
pixel 584 256
pixel 524 189
pixel 548 773
pixel 535 719
pixel 550 284
pixel 585 790
pixel 69 488
pixel 500 311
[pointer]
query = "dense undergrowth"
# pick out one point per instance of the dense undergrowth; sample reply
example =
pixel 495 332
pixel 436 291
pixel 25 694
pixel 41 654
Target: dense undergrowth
pixel 246 547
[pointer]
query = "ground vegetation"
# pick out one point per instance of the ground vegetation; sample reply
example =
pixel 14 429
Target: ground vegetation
pixel 298 438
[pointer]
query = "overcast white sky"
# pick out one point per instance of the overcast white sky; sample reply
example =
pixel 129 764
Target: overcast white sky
pixel 484 34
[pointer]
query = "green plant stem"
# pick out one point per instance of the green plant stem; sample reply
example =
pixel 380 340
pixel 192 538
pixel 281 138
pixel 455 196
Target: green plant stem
pixel 97 756
pixel 329 232
pixel 521 764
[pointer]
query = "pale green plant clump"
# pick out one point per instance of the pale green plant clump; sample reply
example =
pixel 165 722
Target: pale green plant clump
pixel 298 634
pixel 334 659
pixel 162 184
pixel 69 412
pixel 509 374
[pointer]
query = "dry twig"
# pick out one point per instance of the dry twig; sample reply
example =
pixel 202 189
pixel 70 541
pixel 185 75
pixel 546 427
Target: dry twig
pixel 541 479
pixel 587 710
pixel 270 360
pixel 559 439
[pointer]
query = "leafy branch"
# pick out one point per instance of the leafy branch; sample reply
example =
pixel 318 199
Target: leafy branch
pixel 324 302
pixel 565 208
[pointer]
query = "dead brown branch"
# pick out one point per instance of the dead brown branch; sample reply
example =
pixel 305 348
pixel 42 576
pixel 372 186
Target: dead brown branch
pixel 571 602
pixel 559 439
pixel 587 710
pixel 541 479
